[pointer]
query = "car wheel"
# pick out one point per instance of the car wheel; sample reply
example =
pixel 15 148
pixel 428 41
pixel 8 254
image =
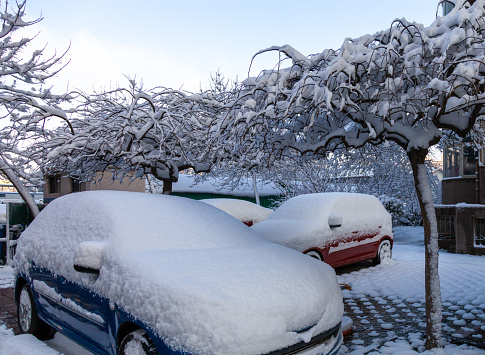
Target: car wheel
pixel 27 319
pixel 384 251
pixel 314 254
pixel 136 343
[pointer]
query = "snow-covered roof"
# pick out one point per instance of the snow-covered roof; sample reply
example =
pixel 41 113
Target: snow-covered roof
pixel 205 282
pixel 3 213
pixel 186 184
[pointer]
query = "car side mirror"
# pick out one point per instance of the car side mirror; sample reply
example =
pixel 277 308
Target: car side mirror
pixel 334 220
pixel 88 257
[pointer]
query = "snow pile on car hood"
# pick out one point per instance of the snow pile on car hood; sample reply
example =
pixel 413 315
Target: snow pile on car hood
pixel 244 211
pixel 199 278
pixel 302 222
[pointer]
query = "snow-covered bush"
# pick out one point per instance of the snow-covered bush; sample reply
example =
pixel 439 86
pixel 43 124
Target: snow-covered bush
pixel 396 208
pixel 403 214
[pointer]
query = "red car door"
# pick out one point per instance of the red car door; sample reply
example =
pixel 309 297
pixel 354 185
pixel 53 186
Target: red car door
pixel 369 244
pixel 343 250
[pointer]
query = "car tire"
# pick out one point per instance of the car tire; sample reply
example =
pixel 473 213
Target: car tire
pixel 314 254
pixel 27 318
pixel 384 251
pixel 137 342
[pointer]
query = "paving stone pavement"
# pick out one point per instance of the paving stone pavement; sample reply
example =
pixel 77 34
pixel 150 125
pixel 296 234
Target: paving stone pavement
pixel 392 318
pixel 8 309
pixel 375 319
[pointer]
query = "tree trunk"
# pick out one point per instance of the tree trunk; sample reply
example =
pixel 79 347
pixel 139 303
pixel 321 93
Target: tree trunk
pixel 255 187
pixel 21 189
pixel 432 280
pixel 151 185
pixel 167 186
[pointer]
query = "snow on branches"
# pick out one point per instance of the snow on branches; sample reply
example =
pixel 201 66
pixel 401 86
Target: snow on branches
pixel 408 84
pixel 158 132
pixel 24 100
pixel 24 72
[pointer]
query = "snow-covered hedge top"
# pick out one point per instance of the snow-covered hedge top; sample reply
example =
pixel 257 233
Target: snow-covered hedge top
pixel 198 277
pixel 3 213
pixel 244 211
pixel 303 221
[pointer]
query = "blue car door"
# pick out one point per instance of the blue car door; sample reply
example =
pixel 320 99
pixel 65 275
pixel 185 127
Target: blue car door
pixel 83 312
pixel 45 287
pixel 79 312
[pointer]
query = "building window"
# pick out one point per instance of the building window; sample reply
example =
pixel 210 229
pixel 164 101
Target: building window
pixel 469 160
pixel 480 232
pixel 460 160
pixel 54 182
pixel 446 227
pixel 75 185
pixel 447 7
pixel 452 162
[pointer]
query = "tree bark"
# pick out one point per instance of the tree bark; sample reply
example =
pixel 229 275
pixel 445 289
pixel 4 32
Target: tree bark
pixel 167 186
pixel 432 282
pixel 21 189
pixel 255 187
pixel 151 185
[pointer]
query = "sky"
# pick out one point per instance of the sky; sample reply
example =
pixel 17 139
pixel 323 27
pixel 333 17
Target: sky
pixel 178 44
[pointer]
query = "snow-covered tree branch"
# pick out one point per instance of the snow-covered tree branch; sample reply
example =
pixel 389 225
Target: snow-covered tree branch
pixel 25 101
pixel 159 132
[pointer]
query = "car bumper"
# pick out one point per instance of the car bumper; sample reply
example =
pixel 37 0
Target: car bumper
pixel 331 347
pixel 326 343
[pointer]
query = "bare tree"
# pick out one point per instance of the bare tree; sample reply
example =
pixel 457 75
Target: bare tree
pixel 158 132
pixel 408 84
pixel 24 99
pixel 381 171
pixel 368 170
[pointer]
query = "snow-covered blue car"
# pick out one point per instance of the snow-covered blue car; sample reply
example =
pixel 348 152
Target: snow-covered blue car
pixel 133 273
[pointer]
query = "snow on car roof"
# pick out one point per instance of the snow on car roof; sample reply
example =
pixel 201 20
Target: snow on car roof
pixel 241 209
pixel 302 222
pixel 314 206
pixel 124 216
pixel 201 279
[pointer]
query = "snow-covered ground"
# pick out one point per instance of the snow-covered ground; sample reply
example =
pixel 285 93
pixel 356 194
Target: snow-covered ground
pixel 401 279
pixel 462 276
pixel 6 276
pixel 27 344
pixel 399 283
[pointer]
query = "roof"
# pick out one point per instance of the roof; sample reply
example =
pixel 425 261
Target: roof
pixel 187 184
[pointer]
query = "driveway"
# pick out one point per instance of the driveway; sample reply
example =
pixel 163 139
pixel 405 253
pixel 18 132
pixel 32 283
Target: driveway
pixel 386 302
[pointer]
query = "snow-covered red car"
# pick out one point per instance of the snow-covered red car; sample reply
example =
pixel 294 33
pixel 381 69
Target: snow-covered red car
pixel 125 273
pixel 247 212
pixel 337 228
